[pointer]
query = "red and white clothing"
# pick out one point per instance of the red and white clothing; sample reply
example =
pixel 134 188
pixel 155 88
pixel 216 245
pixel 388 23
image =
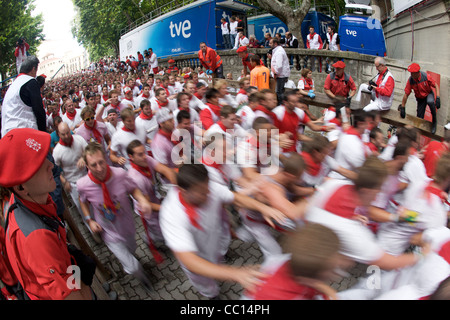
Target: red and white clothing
pixel 416 282
pixel 162 147
pixel 350 152
pixel 148 124
pixel 427 204
pixel 382 95
pixel 281 283
pixel 122 138
pixel 142 96
pixel 290 121
pixel 210 115
pixel 247 115
pixel 196 229
pixel 434 151
pixel 156 104
pixel 334 206
pixel 72 119
pixel 241 98
pixel 314 173
pixel 314 41
pixel 305 84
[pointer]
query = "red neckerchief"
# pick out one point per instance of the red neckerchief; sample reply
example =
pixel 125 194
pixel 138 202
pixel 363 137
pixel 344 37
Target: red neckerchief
pixel 198 96
pixel 128 130
pixel 116 106
pixel 336 121
pixel 145 171
pixel 61 142
pixel 222 126
pixel 311 35
pixel 105 97
pixel 308 83
pixel 145 96
pixel 167 90
pixel 190 211
pixel 167 135
pixel 145 117
pixel 242 91
pixel 269 113
pixel 372 147
pixel 97 135
pixel 77 93
pixel 313 168
pixel 430 189
pixel 214 108
pixel 106 197
pixel 71 116
pixel 283 286
pixel 216 166
pixel 162 104
pixel 353 131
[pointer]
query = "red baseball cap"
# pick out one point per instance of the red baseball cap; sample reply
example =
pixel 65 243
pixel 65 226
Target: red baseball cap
pixel 241 49
pixel 339 64
pixel 126 90
pixel 22 153
pixel 414 68
pixel 171 61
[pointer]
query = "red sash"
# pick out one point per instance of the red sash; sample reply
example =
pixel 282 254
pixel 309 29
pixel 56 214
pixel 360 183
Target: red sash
pixel 190 211
pixel 106 197
pixel 98 136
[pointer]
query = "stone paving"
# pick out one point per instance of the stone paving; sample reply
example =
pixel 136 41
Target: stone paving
pixel 168 279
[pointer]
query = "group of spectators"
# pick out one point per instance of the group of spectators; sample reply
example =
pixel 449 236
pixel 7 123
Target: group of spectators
pixel 201 166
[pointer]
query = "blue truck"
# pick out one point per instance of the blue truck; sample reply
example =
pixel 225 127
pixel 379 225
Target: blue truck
pixel 358 32
pixel 180 31
pixel 267 23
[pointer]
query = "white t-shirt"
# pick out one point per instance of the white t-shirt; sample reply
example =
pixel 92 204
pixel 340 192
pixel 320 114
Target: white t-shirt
pixel 67 158
pixel 121 139
pixel 182 236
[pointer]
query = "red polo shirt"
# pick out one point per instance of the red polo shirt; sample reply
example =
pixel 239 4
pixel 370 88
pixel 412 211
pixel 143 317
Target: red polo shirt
pixel 421 88
pixel 338 86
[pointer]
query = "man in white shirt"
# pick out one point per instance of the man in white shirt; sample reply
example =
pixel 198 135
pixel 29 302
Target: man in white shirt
pixel 191 218
pixel 68 155
pixel 72 116
pixel 122 138
pixel 351 151
pixel 153 61
pixel 279 67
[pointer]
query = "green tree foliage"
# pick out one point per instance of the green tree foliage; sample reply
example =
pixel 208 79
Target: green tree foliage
pixel 17 21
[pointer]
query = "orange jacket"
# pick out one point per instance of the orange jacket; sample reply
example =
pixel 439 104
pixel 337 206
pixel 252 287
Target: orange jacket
pixel 211 60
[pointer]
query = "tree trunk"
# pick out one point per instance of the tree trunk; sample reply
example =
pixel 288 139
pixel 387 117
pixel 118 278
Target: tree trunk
pixel 293 18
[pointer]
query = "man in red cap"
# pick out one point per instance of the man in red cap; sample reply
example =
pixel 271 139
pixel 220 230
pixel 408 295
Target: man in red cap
pixel 339 83
pixel 36 242
pixel 172 66
pixel 245 56
pixel 422 85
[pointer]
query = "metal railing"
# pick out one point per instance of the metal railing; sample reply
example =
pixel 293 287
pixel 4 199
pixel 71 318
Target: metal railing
pixel 168 7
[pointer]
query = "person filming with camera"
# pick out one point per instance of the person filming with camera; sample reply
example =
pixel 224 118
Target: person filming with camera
pixel 381 88
pixel 21 52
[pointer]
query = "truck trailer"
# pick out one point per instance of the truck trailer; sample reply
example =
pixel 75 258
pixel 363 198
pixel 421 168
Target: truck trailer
pixel 180 31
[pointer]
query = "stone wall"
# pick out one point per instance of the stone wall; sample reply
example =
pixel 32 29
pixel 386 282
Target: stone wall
pixel 360 67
